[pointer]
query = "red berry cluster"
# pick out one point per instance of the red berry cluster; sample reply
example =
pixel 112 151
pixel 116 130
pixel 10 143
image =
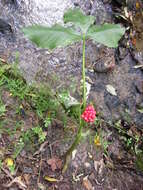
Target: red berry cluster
pixel 89 114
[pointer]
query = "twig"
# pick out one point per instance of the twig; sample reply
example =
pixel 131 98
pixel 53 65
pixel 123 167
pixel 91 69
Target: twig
pixel 7 173
pixel 50 147
pixel 41 148
pixel 19 183
pixel 38 180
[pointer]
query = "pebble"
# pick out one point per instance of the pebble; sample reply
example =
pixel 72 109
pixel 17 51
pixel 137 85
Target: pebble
pixel 27 170
pixel 87 165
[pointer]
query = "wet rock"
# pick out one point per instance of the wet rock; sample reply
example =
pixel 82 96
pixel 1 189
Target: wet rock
pixel 120 2
pixel 10 2
pixel 86 5
pixel 122 52
pixel 5 27
pixel 139 86
pixel 111 101
pixel 105 64
pixel 138 56
pixel 139 100
pixel 102 12
pixel 139 119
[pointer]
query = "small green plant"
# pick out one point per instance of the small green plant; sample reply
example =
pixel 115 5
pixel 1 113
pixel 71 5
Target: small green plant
pixel 81 28
pixel 100 141
pixel 47 122
pixel 41 134
pixel 2 108
pixel 18 148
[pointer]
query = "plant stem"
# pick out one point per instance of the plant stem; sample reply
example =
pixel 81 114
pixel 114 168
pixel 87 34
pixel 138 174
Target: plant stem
pixel 78 136
pixel 79 132
pixel 73 146
pixel 83 71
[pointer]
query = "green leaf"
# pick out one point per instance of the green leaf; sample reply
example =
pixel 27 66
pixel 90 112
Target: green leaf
pixel 51 37
pixel 107 34
pixel 80 20
pixel 2 110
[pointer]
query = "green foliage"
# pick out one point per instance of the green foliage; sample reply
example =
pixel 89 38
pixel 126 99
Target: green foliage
pixel 76 17
pixel 2 108
pixel 107 34
pixel 18 148
pixel 4 68
pixel 17 87
pixel 42 101
pixel 139 162
pixel 41 134
pixel 47 122
pixel 32 99
pixel 56 36
pixel 59 36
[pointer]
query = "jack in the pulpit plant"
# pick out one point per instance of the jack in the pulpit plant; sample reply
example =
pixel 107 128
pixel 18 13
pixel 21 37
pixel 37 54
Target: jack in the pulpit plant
pixel 80 28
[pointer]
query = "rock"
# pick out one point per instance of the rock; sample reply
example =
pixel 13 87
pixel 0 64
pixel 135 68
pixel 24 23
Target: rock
pixel 105 64
pixel 139 86
pixel 27 170
pixel 61 69
pixel 102 12
pixel 111 101
pixel 121 2
pixel 5 27
pixel 122 52
pixel 10 2
pixel 138 56
pixel 86 5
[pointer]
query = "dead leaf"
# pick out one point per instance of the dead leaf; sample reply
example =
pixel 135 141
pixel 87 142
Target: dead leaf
pixel 87 184
pixel 27 178
pixel 111 90
pixel 50 179
pixel 99 166
pixel 90 155
pixel 74 154
pixel 41 186
pixel 2 60
pixel 76 178
pixel 41 149
pixel 55 163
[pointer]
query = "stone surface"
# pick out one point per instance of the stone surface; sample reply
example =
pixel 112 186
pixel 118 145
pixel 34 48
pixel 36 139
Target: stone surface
pixel 61 69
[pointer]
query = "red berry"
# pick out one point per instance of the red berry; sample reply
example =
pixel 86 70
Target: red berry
pixel 89 114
